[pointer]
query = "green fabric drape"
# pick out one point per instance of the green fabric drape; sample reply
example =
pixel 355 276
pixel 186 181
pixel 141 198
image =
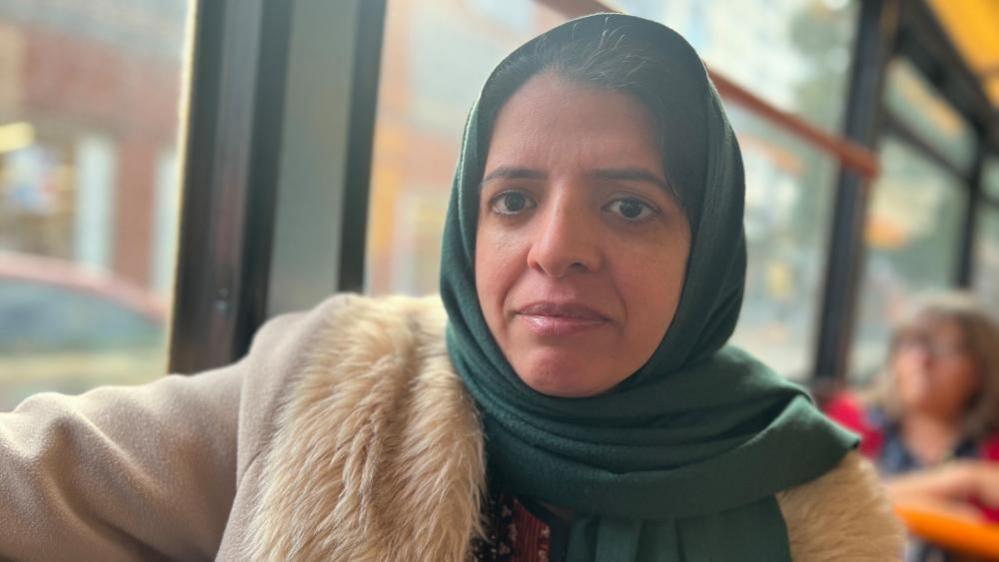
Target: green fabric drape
pixel 681 461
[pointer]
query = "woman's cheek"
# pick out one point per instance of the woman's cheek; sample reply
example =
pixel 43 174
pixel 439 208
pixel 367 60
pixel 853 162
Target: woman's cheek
pixel 495 267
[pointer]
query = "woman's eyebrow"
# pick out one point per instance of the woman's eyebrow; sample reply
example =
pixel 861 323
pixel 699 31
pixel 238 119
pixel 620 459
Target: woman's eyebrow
pixel 627 174
pixel 513 173
pixel 631 174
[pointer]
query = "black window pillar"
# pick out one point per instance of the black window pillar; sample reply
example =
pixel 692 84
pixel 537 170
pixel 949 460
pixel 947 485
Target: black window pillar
pixel 278 149
pixel 964 275
pixel 234 106
pixel 873 48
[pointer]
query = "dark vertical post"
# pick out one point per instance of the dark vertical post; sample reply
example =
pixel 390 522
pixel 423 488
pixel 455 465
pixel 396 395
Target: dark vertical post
pixel 232 148
pixel 966 252
pixel 361 136
pixel 873 48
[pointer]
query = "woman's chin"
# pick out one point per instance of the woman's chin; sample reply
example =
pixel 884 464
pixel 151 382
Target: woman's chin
pixel 565 377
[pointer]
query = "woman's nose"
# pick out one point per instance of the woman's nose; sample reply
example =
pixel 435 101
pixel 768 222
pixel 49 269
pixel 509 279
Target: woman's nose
pixel 918 355
pixel 566 240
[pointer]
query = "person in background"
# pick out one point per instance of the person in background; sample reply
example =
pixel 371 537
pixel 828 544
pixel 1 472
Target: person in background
pixel 931 423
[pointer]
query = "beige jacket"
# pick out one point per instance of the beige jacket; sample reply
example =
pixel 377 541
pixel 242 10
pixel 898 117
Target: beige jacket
pixel 343 435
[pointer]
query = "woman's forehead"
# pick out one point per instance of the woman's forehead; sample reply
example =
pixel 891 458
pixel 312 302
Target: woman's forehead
pixel 934 324
pixel 551 121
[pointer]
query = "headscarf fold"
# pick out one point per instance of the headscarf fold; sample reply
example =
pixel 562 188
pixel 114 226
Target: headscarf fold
pixel 683 459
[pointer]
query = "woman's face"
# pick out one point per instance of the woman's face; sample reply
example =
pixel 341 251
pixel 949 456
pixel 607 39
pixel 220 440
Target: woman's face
pixel 581 250
pixel 934 370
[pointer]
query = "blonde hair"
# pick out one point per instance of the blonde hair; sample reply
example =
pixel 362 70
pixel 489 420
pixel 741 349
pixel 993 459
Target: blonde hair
pixel 981 336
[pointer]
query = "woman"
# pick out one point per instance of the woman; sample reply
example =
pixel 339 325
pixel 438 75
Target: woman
pixel 577 388
pixel 932 424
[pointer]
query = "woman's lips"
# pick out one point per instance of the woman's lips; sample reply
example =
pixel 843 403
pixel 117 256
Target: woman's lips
pixel 560 319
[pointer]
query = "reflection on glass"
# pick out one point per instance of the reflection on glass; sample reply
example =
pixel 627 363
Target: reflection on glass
pixel 911 98
pixel 912 234
pixel 793 53
pixel 789 189
pixel 88 191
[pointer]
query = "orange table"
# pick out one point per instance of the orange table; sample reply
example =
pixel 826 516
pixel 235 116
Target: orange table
pixel 954 533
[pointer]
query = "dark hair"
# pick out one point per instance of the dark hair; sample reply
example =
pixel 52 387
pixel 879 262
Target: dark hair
pixel 618 59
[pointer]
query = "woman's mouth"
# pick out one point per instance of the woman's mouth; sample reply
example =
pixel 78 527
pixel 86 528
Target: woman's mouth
pixel 551 319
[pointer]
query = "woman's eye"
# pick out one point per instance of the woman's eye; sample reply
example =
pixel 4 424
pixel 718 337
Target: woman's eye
pixel 511 203
pixel 632 210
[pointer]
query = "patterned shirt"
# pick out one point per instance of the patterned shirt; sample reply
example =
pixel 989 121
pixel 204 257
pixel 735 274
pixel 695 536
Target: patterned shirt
pixel 520 530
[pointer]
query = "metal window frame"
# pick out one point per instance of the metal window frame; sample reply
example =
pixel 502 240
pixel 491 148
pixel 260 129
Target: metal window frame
pixel 965 268
pixel 971 181
pixel 238 60
pixel 874 45
pixel 357 176
pixel 927 45
pixel 232 177
pixel 896 126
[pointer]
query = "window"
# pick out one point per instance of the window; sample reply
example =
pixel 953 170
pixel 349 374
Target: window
pixel 914 101
pixel 789 189
pixel 986 272
pixel 990 178
pixel 793 53
pixel 435 58
pixel 88 191
pixel 912 234
pixel 986 281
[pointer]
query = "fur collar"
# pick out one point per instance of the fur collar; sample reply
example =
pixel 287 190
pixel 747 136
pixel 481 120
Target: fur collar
pixel 378 456
pixel 379 453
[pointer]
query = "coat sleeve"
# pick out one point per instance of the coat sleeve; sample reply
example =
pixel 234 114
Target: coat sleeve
pixel 842 515
pixel 147 472
pixel 121 473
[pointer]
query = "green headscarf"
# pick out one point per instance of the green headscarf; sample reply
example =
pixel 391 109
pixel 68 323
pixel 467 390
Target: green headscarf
pixel 682 460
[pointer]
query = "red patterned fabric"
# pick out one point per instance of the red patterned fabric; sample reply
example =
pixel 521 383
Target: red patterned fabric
pixel 513 534
pixel 532 542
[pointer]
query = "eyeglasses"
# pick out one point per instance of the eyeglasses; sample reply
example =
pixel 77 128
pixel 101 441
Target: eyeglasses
pixel 936 349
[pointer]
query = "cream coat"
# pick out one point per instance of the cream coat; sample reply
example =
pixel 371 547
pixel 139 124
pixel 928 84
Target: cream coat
pixel 343 435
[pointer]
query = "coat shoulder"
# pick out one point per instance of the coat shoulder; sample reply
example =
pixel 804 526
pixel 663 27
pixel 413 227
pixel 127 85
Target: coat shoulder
pixel 842 515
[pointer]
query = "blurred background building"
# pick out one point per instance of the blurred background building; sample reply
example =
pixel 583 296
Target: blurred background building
pixel 89 192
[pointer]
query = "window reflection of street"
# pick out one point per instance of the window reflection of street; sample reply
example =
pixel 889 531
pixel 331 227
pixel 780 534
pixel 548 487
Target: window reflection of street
pixel 89 98
pixel 68 329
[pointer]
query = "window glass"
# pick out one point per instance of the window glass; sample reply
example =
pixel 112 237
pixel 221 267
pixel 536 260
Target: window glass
pixel 986 272
pixel 424 95
pixel 911 98
pixel 89 191
pixel 793 53
pixel 789 189
pixel 990 177
pixel 986 267
pixel 912 234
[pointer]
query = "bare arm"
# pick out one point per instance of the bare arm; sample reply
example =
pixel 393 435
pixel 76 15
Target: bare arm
pixel 948 489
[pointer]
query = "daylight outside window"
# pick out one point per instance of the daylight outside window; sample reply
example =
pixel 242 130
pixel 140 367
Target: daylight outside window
pixel 89 191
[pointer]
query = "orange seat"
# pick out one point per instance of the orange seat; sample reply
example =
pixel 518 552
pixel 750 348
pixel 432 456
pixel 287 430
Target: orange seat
pixel 958 534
